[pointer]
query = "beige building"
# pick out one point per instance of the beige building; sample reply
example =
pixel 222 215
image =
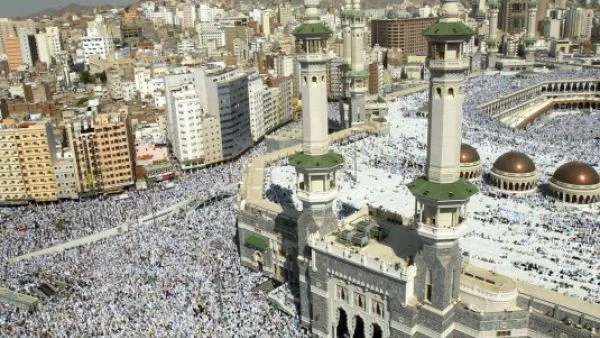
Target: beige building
pixel 102 152
pixel 12 187
pixel 27 163
pixel 66 174
pixel 406 34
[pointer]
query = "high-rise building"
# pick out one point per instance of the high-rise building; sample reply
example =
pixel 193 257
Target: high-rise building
pixel 27 156
pixel 10 27
pixel 102 151
pixel 512 17
pixel 43 50
pixel 53 41
pixel 284 13
pixel 406 34
pixel 13 52
pixel 578 23
pixel 256 93
pixel 66 174
pixel 29 53
pixel 209 107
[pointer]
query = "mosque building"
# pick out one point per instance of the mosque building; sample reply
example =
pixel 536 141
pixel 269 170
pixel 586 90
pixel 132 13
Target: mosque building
pixel 378 274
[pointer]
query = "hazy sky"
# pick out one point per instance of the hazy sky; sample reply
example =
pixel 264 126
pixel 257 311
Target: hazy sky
pixel 10 8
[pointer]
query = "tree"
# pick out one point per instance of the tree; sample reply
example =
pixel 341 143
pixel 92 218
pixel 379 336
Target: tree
pixel 101 76
pixel 86 77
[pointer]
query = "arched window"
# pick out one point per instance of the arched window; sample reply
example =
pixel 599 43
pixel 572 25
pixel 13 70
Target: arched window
pixel 314 79
pixel 451 91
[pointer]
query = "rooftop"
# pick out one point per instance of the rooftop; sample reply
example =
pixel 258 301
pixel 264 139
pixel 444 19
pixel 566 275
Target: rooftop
pixel 460 190
pixel 449 29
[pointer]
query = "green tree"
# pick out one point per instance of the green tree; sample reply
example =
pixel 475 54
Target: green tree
pixel 86 77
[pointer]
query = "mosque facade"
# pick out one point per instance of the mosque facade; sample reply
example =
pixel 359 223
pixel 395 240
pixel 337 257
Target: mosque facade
pixel 378 274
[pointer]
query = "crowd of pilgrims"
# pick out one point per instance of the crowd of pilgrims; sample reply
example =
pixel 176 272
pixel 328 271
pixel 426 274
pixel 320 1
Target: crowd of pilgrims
pixel 182 275
pixel 560 137
pixel 176 277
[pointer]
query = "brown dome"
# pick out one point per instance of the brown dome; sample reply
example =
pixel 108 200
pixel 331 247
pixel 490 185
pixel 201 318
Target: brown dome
pixel 514 162
pixel 577 173
pixel 468 154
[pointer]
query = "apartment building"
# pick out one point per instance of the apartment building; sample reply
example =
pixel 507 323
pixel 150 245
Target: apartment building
pixel 406 34
pixel 13 52
pixel 12 186
pixel 512 17
pixel 27 162
pixel 256 89
pixel 10 27
pixel 66 174
pixel 102 151
pixel 227 96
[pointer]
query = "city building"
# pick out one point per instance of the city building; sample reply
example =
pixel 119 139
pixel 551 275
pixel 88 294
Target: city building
pixel 66 174
pixel 102 151
pixel 406 34
pixel 512 17
pixel 13 52
pixel 10 27
pixel 28 154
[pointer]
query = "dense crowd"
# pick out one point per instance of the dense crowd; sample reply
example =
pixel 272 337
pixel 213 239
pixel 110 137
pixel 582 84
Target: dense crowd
pixel 179 276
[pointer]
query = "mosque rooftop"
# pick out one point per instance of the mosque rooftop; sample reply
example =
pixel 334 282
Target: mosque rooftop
pixel 460 190
pixel 309 29
pixel 305 161
pixel 449 29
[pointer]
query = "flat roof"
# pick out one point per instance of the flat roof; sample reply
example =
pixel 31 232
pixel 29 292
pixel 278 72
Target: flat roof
pixel 487 280
pixel 569 302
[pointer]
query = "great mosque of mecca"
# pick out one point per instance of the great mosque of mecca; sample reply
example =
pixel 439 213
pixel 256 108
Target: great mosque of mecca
pixel 377 273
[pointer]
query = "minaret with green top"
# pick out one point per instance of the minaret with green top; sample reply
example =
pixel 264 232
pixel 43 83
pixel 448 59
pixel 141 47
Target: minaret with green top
pixel 441 196
pixel 316 165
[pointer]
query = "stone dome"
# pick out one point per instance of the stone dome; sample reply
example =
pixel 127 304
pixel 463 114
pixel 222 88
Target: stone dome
pixel 514 162
pixel 576 173
pixel 468 154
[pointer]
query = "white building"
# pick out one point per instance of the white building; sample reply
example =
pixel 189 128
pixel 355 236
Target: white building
pixel 206 13
pixel 142 76
pixel 26 55
pixel 65 170
pixel 96 43
pixel 42 48
pixel 53 41
pixel 256 90
pixel 210 31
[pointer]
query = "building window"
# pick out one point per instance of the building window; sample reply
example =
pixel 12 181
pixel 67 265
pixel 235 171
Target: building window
pixel 428 286
pixel 342 293
pixel 503 333
pixel 359 301
pixel 377 308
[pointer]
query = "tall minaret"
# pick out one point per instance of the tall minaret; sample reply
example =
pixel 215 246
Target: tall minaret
pixel 316 165
pixel 346 32
pixel 492 42
pixel 357 75
pixel 441 195
pixel 531 23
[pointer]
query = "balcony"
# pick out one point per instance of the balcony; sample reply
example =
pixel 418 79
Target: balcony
pixel 448 65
